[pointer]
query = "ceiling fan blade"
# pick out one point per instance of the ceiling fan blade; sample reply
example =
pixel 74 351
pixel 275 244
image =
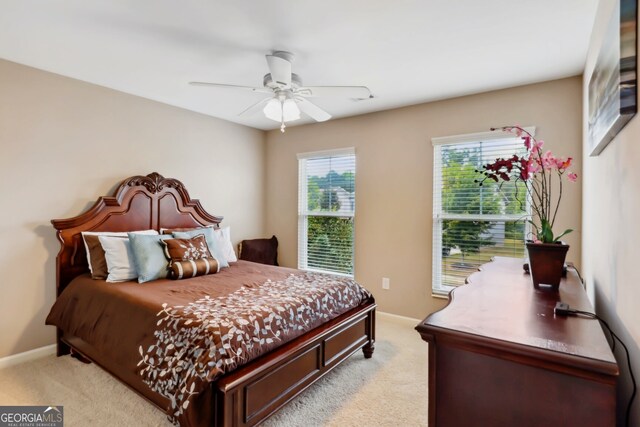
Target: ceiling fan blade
pixel 354 92
pixel 252 89
pixel 258 106
pixel 312 110
pixel 280 69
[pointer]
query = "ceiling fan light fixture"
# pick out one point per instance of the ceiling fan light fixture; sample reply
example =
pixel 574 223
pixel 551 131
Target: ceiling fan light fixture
pixel 290 110
pixel 273 110
pixel 282 110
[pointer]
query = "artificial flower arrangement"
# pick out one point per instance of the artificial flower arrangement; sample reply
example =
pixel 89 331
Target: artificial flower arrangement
pixel 536 170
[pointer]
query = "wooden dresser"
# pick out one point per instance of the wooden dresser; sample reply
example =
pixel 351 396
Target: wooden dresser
pixel 498 356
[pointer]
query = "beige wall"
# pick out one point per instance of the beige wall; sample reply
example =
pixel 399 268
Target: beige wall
pixel 611 203
pixel 64 143
pixel 395 178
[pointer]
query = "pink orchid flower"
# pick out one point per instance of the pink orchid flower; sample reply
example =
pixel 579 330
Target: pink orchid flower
pixel 537 145
pixel 563 164
pixel 533 166
pixel 536 170
pixel 548 161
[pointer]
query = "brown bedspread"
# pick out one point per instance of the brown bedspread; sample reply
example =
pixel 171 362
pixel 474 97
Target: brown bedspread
pixel 178 336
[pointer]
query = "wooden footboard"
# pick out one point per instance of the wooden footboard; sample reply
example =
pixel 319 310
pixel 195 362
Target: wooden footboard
pixel 251 394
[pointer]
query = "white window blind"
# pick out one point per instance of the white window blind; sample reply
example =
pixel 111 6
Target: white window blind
pixel 473 223
pixel 326 211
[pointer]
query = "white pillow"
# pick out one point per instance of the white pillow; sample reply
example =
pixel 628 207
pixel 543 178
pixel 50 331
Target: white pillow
pixel 119 257
pixel 224 243
pixel 108 233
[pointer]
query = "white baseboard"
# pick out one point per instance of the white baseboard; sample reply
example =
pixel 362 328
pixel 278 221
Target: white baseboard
pixel 397 317
pixel 37 353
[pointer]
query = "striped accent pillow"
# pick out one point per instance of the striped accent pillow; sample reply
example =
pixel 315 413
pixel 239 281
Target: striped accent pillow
pixel 192 268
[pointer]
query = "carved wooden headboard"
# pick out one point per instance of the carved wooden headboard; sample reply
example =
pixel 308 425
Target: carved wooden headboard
pixel 139 203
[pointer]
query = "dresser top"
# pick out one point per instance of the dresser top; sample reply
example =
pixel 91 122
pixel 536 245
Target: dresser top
pixel 500 308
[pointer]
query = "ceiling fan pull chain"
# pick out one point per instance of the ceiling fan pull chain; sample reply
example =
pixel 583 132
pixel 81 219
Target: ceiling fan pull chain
pixel 282 126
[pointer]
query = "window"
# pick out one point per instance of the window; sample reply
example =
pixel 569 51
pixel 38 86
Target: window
pixel 326 210
pixel 473 223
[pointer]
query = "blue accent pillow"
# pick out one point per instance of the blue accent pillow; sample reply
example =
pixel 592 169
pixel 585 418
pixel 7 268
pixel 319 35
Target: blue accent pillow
pixel 211 242
pixel 148 256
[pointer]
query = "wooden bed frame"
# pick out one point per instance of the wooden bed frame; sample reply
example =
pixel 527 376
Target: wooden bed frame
pixel 250 394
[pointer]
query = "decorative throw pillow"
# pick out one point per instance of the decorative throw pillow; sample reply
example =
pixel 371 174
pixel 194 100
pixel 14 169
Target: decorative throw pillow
pixel 95 253
pixel 224 243
pixel 189 257
pixel 148 256
pixel 120 263
pixel 264 251
pixel 186 249
pixel 212 242
pixel 199 267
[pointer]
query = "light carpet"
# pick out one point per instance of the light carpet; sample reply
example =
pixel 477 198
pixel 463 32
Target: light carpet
pixel 390 389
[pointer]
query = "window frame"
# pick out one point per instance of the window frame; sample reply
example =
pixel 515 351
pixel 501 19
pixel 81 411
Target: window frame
pixel 304 213
pixel 439 289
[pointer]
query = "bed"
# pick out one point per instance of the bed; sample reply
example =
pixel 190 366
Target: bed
pixel 120 326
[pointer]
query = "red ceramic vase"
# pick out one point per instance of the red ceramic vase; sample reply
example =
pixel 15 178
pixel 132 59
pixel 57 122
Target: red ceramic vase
pixel 546 262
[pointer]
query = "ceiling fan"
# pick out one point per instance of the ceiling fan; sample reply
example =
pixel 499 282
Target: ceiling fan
pixel 288 97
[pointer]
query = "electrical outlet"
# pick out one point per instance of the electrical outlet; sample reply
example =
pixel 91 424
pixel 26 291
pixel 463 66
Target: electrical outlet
pixel 385 283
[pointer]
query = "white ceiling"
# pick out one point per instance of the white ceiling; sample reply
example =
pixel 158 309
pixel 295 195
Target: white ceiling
pixel 406 52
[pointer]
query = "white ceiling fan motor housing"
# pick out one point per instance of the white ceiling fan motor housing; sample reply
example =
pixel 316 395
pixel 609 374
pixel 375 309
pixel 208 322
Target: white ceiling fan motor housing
pixel 267 81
